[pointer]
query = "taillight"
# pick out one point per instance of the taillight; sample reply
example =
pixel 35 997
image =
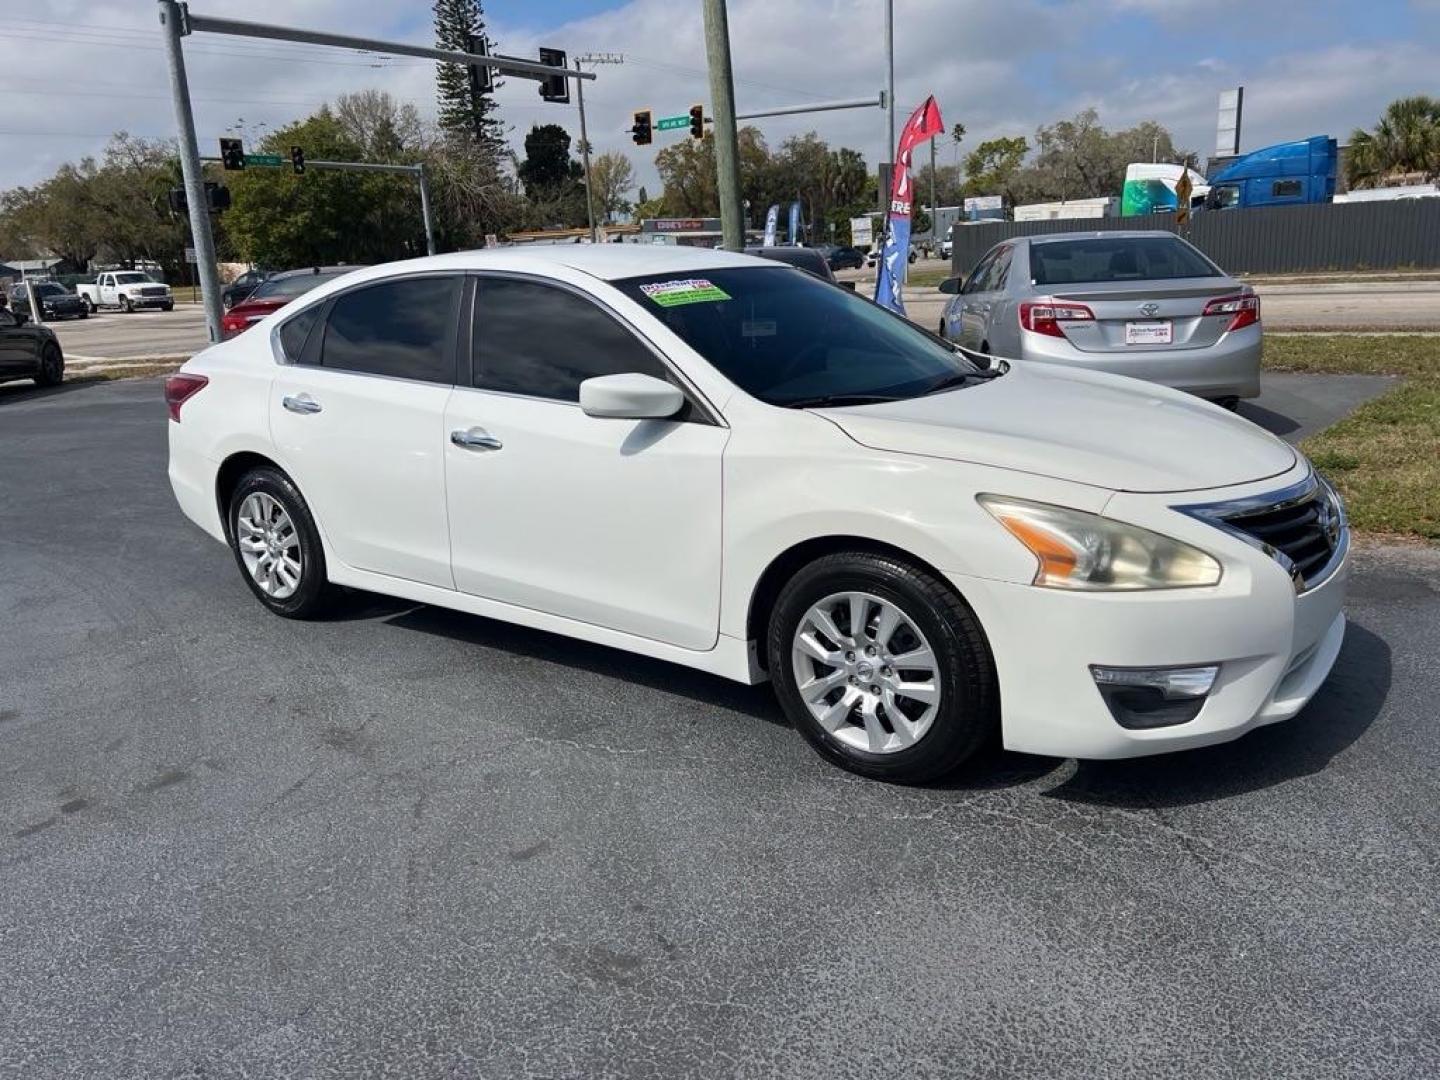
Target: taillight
pixel 232 324
pixel 1244 309
pixel 180 389
pixel 1045 316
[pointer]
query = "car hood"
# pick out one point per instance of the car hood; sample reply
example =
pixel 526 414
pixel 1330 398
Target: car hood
pixel 1104 430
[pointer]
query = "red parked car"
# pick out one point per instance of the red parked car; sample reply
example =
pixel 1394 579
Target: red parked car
pixel 274 293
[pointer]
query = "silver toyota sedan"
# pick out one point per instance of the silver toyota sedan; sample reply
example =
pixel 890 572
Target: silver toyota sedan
pixel 1144 304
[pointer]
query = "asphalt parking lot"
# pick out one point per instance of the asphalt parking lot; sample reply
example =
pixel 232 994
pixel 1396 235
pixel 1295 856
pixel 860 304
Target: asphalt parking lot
pixel 409 842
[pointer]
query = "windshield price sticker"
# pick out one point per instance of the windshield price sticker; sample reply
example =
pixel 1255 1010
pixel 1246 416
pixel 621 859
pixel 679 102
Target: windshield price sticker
pixel 688 291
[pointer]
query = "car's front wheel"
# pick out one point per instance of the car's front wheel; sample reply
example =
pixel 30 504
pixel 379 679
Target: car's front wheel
pixel 277 545
pixel 126 306
pixel 52 366
pixel 882 667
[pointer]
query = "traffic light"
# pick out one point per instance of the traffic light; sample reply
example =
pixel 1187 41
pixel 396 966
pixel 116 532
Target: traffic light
pixel 482 79
pixel 640 130
pixel 297 160
pixel 556 87
pixel 232 154
pixel 217 198
pixel 697 121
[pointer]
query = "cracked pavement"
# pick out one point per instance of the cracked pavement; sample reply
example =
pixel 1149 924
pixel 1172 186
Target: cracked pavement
pixel 416 843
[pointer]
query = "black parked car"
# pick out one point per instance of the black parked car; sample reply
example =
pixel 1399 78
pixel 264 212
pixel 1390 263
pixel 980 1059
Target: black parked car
pixel 243 286
pixel 842 258
pixel 28 351
pixel 56 301
pixel 808 259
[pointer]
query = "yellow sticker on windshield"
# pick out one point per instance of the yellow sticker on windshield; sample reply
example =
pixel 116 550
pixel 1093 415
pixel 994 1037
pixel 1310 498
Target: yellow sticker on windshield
pixel 688 291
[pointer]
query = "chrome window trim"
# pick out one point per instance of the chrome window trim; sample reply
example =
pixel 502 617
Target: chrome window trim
pixel 1310 487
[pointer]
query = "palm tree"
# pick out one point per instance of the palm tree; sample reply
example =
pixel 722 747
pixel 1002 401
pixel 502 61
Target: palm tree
pixel 1406 140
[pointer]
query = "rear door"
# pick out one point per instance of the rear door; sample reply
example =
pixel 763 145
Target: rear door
pixel 610 522
pixel 1146 293
pixel 358 416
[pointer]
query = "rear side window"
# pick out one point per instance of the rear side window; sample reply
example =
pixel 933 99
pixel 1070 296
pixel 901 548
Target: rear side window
pixel 296 331
pixel 1116 258
pixel 404 329
pixel 1284 188
pixel 544 341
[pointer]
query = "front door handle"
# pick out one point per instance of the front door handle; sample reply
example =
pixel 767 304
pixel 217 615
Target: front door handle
pixel 475 438
pixel 301 403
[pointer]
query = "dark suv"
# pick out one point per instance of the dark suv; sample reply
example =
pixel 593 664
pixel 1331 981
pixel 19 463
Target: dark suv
pixel 56 301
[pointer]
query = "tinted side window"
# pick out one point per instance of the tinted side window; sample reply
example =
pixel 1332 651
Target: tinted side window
pixel 544 341
pixel 999 271
pixel 400 328
pixel 296 331
pixel 7 320
pixel 976 281
pixel 1286 187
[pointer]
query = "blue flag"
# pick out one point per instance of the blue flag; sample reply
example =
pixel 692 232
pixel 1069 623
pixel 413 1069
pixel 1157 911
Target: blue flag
pixel 795 222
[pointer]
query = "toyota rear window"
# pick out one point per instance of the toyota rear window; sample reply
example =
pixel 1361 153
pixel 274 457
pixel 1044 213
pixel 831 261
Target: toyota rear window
pixel 1116 258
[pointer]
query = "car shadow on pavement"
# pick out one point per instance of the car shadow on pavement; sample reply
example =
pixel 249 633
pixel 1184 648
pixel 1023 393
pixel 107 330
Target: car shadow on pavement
pixel 1272 421
pixel 15 392
pixel 1338 715
pixel 756 701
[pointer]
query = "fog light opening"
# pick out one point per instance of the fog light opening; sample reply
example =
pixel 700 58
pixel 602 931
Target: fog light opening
pixel 1140 698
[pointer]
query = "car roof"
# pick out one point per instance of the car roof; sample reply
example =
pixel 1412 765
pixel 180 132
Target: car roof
pixel 314 270
pixel 1099 234
pixel 609 262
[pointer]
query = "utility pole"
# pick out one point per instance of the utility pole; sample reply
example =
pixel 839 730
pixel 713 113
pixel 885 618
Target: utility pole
pixel 171 18
pixel 889 78
pixel 727 142
pixel 934 206
pixel 589 58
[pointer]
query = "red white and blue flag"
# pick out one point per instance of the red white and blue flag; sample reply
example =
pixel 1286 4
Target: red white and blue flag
pixel 924 123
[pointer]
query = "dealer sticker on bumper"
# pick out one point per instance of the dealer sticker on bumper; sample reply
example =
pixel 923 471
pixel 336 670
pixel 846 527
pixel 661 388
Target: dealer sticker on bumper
pixel 1148 333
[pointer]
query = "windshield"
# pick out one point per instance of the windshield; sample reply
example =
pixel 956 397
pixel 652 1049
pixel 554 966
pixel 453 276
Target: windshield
pixel 1116 258
pixel 788 338
pixel 287 288
pixel 131 278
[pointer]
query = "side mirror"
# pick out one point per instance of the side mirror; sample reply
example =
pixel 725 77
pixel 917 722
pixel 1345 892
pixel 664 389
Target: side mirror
pixel 952 285
pixel 630 397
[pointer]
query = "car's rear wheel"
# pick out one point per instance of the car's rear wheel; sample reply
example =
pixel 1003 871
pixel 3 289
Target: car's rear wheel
pixel 882 667
pixel 52 366
pixel 277 546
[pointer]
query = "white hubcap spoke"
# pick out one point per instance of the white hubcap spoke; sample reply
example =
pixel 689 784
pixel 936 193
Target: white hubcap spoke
pixel 866 672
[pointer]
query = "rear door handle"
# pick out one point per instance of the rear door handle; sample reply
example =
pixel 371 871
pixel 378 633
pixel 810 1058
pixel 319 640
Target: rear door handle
pixel 301 403
pixel 475 438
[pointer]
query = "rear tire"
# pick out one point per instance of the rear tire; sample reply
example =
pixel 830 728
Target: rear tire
pixel 931 629
pixel 277 546
pixel 51 371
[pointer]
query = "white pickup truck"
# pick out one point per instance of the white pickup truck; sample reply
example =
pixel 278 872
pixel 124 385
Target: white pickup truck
pixel 126 290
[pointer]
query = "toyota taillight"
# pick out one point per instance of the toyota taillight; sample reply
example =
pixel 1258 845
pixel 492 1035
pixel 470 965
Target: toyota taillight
pixel 1243 309
pixel 180 389
pixel 231 324
pixel 1045 316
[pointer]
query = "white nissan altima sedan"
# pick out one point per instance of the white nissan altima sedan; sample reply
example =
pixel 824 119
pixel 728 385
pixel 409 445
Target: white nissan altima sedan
pixel 732 465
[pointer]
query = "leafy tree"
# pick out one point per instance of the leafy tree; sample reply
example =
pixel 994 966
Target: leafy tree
pixel 611 178
pixel 464 115
pixel 1405 141
pixel 993 166
pixel 1079 159
pixel 553 181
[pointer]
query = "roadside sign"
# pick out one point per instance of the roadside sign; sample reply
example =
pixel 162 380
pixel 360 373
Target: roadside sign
pixel 272 160
pixel 190 255
pixel 670 123
pixel 862 231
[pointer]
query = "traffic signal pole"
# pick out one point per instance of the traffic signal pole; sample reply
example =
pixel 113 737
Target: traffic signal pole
pixel 585 155
pixel 727 142
pixel 171 18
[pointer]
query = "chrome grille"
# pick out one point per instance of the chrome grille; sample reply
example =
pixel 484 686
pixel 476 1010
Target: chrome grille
pixel 153 290
pixel 1301 527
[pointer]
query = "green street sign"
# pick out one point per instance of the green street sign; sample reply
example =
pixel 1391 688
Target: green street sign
pixel 272 160
pixel 670 123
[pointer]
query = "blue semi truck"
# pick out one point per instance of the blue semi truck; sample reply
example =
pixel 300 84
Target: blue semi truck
pixel 1287 174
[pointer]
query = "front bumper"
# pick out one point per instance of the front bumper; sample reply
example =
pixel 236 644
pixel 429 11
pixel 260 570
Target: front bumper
pixel 152 301
pixel 1229 368
pixel 1274 647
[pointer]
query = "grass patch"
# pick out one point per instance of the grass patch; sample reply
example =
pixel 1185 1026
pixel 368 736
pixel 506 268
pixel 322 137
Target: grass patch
pixel 1385 456
pixel 930 275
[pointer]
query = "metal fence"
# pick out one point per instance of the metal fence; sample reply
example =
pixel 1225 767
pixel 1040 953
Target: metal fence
pixel 1395 235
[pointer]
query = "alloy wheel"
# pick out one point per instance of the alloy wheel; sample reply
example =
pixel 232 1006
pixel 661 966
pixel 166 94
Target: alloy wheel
pixel 269 545
pixel 866 672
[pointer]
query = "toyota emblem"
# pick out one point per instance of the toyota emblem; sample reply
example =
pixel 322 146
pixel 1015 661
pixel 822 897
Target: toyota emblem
pixel 1149 310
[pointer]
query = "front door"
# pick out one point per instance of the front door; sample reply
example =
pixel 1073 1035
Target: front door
pixel 18 347
pixel 358 416
pixel 609 522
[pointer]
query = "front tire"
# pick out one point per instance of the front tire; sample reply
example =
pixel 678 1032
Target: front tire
pixel 882 667
pixel 89 306
pixel 277 546
pixel 167 307
pixel 52 367
pixel 125 305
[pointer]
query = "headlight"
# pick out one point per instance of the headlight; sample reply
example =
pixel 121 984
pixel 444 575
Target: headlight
pixel 1077 550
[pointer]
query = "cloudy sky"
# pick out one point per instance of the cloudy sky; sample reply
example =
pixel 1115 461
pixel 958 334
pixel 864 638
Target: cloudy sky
pixel 73 71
